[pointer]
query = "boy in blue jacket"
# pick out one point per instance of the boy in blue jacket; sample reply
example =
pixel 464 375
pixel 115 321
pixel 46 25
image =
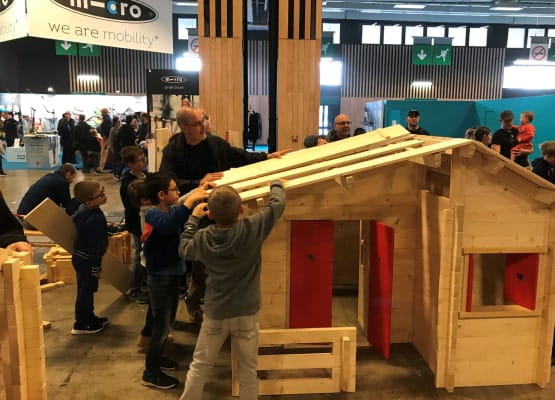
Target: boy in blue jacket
pixel 163 224
pixel 90 245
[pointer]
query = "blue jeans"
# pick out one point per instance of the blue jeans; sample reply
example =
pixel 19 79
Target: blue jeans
pixel 244 344
pixel 163 291
pixel 86 286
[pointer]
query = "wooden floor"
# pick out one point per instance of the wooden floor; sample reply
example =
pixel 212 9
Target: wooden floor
pixel 109 365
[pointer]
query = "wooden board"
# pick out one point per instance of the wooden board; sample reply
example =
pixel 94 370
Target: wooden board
pixel 59 227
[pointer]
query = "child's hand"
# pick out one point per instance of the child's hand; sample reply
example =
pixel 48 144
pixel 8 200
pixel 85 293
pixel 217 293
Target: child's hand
pixel 201 210
pixel 196 195
pixel 207 185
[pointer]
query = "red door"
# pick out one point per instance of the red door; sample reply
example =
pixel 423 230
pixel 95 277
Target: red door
pixel 380 286
pixel 311 277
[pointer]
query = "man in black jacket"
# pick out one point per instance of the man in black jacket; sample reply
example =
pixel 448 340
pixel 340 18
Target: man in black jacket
pixel 54 186
pixel 11 232
pixel 81 135
pixel 192 157
pixel 10 127
pixel 66 126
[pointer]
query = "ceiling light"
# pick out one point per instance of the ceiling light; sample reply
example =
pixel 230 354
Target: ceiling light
pixel 89 78
pixel 50 89
pixel 422 84
pixel 506 8
pixel 522 61
pixel 410 6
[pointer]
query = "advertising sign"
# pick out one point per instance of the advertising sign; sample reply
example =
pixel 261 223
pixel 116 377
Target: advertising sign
pixel 13 21
pixel 130 24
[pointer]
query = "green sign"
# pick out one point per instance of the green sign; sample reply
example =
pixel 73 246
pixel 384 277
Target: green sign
pixel 551 54
pixel 88 50
pixel 442 54
pixel 65 48
pixel 422 54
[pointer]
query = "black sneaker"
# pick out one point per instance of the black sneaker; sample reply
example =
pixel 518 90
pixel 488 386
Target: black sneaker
pixel 101 320
pixel 161 381
pixel 137 296
pixel 167 365
pixel 86 329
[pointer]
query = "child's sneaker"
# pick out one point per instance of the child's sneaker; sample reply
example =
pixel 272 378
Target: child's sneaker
pixel 161 381
pixel 101 320
pixel 167 365
pixel 86 329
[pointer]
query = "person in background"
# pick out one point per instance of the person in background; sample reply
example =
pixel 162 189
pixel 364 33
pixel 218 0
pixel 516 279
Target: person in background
pixel 544 166
pixel 92 149
pixel 104 130
pixel 11 231
pixel 126 137
pixel 413 123
pixel 115 158
pixel 66 126
pixel 341 128
pixel 315 140
pixel 482 134
pixel 143 133
pixel 135 160
pixel 91 242
pixel 81 137
pixel 359 131
pixel 11 127
pixel 55 186
pixel 504 138
pixel 524 137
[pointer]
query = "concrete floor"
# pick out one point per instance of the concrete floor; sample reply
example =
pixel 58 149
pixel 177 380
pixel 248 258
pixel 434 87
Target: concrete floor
pixel 109 366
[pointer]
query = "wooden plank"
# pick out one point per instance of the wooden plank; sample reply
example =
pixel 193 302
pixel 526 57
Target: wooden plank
pixel 297 361
pixel 223 18
pixel 238 19
pixel 200 24
pixel 306 335
pixel 297 386
pixel 59 226
pixel 213 18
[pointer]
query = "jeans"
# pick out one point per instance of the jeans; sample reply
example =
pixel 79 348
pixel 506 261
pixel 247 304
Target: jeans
pixel 244 344
pixel 197 287
pixel 163 293
pixel 86 286
pixel 139 272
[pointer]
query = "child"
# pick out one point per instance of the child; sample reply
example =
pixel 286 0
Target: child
pixel 524 137
pixel 230 250
pixel 92 151
pixel 544 166
pixel 134 158
pixel 163 224
pixel 483 135
pixel 90 245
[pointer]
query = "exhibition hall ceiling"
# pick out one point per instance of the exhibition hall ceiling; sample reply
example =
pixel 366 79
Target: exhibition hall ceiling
pixel 512 12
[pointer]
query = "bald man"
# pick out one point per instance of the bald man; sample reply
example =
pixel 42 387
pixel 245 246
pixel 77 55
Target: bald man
pixel 341 128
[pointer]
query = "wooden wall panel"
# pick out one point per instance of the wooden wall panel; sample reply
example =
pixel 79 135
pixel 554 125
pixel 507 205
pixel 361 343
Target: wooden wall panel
pixel 221 53
pixel 298 72
pixel 386 72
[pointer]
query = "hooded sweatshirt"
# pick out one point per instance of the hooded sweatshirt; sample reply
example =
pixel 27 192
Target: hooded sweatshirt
pixel 544 169
pixel 232 258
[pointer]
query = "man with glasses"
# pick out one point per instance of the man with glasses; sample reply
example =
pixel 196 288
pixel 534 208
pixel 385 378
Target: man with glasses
pixel 341 128
pixel 413 123
pixel 192 157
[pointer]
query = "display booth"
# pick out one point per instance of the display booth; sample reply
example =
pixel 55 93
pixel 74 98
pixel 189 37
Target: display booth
pixel 42 150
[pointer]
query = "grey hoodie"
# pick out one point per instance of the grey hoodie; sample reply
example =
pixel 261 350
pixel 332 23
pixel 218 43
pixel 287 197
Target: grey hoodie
pixel 232 258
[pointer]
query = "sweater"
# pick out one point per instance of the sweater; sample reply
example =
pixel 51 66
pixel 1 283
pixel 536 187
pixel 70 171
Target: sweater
pixel 544 169
pixel 232 257
pixel 91 241
pixel 223 157
pixel 161 240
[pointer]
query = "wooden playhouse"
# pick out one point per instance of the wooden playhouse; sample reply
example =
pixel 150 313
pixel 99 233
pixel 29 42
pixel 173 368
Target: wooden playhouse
pixel 454 246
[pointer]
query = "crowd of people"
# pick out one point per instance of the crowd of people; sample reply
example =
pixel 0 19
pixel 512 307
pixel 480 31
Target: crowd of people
pixel 196 234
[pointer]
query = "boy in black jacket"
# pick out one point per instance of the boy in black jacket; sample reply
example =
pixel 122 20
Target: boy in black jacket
pixel 134 158
pixel 90 245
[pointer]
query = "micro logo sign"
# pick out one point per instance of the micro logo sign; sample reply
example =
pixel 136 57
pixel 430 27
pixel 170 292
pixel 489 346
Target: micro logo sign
pixel 114 10
pixel 5 4
pixel 173 79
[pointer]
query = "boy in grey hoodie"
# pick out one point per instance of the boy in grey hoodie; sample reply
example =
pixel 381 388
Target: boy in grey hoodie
pixel 230 250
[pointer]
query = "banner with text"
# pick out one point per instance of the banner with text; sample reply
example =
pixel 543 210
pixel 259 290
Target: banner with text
pixel 13 20
pixel 130 24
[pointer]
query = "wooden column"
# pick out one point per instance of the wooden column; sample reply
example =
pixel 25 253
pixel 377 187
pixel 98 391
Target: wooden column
pixel 220 29
pixel 300 34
